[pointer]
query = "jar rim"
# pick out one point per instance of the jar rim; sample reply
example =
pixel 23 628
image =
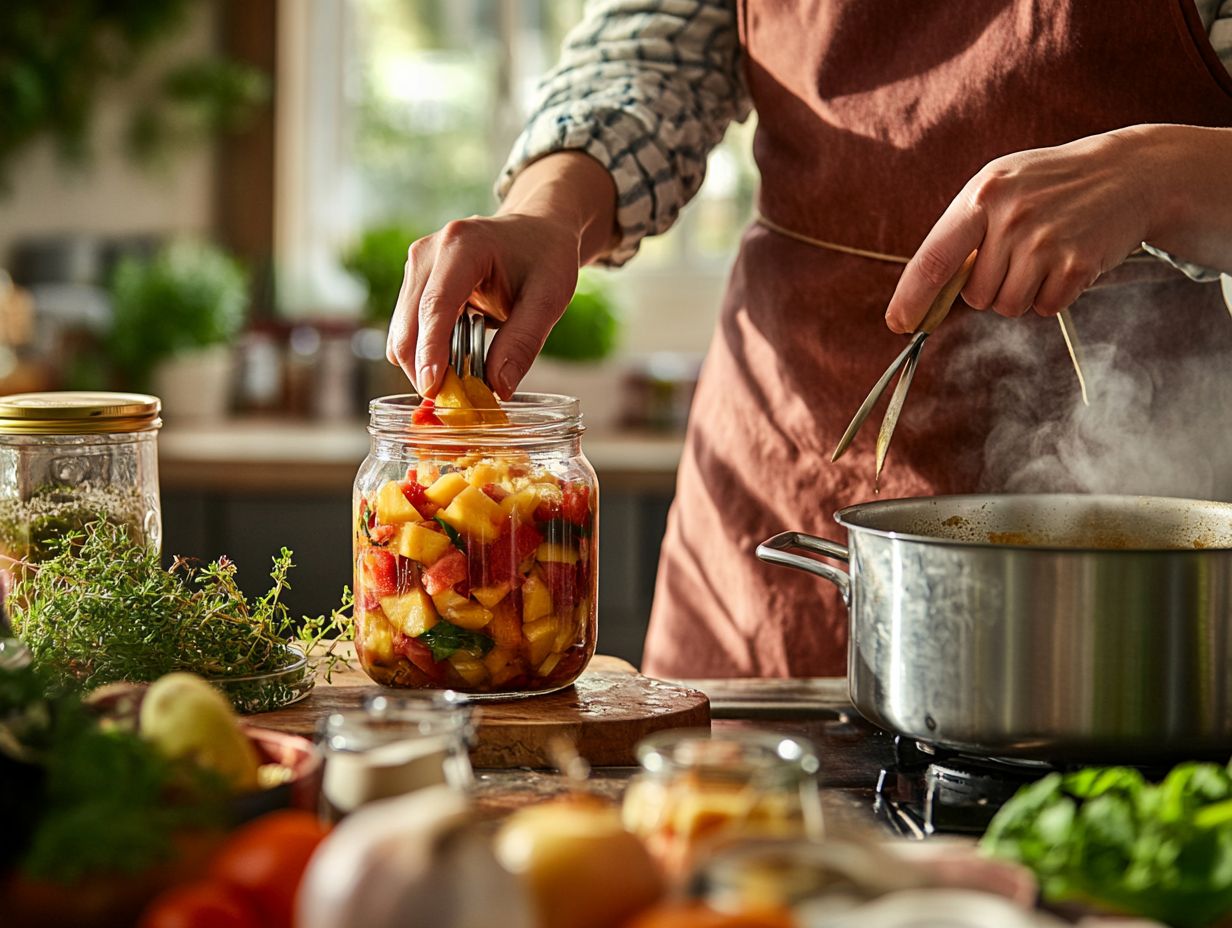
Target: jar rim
pixel 729 755
pixel 530 417
pixel 73 412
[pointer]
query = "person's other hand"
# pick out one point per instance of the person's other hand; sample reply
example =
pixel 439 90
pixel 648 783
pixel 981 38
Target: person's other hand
pixel 520 267
pixel 1046 223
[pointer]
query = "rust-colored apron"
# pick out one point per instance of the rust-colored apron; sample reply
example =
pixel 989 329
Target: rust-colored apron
pixel 872 116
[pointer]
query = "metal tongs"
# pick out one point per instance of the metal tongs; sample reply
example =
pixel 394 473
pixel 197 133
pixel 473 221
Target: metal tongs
pixel 906 361
pixel 466 350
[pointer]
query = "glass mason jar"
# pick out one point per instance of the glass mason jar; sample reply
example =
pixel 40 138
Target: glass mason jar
pixel 476 548
pixel 394 746
pixel 698 791
pixel 67 459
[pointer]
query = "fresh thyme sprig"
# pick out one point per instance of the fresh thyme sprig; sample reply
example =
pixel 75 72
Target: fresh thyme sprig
pixel 102 608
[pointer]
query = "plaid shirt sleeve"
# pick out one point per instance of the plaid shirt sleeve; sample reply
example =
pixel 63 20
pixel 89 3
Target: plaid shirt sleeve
pixel 646 87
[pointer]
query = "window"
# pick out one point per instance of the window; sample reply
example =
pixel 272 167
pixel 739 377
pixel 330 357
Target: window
pixel 405 110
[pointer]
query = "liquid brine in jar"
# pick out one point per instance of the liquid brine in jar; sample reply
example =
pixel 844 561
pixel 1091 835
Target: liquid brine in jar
pixel 71 458
pixel 475 543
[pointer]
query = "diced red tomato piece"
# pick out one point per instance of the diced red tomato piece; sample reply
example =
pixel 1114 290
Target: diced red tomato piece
pixel 417 495
pixel 425 414
pixel 381 534
pixel 380 571
pixel 420 655
pixel 495 491
pixel 546 512
pixel 575 503
pixel 562 581
pixel 498 562
pixel 368 601
pixel 449 570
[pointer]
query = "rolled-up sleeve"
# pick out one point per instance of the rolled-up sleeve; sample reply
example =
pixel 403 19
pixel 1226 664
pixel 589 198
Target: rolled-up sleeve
pixel 647 88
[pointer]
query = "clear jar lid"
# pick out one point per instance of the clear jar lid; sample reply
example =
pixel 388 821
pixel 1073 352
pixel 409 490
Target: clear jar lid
pixel 78 412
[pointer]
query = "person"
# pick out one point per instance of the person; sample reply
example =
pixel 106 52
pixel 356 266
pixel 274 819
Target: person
pixel 1051 137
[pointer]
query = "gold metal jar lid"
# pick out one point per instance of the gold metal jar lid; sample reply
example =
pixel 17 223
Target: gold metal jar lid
pixel 77 413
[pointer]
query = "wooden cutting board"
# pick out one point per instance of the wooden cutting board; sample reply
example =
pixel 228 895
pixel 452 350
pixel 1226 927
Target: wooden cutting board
pixel 605 714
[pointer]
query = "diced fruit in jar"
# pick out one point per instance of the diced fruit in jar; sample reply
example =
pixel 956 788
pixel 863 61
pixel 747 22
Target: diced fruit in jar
pixel 460 610
pixel 392 506
pixel 475 571
pixel 536 599
pixel 557 553
pixel 422 544
pixel 412 613
pixel 446 487
pixel 472 512
pixel 540 637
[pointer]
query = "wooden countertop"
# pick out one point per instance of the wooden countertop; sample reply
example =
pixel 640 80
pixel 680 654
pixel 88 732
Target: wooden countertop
pixel 281 456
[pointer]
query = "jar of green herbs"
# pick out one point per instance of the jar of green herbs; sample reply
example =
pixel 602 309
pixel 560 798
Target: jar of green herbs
pixel 71 458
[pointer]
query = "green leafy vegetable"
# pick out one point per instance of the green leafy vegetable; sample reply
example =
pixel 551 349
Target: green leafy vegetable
pixel 458 541
pixel 102 609
pixel 1105 834
pixel 444 638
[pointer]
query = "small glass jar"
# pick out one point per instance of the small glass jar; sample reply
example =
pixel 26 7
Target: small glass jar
pixel 698 791
pixel 476 547
pixel 67 459
pixel 394 746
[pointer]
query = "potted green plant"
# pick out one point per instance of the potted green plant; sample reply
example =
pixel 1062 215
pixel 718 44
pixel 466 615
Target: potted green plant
pixel 174 318
pixel 577 357
pixel 377 258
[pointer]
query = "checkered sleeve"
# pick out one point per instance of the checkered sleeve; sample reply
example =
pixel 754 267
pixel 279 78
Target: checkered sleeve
pixel 648 88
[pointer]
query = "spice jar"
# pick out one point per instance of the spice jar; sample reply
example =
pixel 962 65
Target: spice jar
pixel 697 791
pixel 394 745
pixel 475 549
pixel 67 459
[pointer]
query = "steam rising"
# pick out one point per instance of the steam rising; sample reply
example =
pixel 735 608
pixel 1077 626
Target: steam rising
pixel 1155 427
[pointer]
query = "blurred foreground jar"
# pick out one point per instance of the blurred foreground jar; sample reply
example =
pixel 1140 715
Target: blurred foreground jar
pixel 394 746
pixel 697 792
pixel 69 458
pixel 475 550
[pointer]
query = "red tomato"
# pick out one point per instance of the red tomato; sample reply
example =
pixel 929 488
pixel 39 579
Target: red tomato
pixel 420 655
pixel 575 504
pixel 265 860
pixel 417 495
pixel 380 571
pixel 562 581
pixel 383 533
pixel 442 575
pixel 204 904
pixel 425 414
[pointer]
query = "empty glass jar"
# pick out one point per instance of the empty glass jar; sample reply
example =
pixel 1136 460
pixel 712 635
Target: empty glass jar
pixel 67 459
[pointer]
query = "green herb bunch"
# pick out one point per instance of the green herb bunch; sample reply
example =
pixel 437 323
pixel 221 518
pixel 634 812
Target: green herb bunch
pixel 79 798
pixel 103 609
pixel 1163 850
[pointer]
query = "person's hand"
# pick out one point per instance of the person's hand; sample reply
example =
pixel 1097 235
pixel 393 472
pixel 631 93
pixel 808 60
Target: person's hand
pixel 1048 222
pixel 520 267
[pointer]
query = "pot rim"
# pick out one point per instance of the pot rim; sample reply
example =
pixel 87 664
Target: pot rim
pixel 844 517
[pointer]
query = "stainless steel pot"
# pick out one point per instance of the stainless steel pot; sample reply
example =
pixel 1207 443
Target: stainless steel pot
pixel 1050 627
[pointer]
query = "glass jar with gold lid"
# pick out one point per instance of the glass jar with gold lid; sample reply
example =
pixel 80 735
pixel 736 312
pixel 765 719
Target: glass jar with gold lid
pixel 70 458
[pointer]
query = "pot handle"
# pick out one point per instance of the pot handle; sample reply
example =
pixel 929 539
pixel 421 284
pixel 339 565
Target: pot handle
pixel 777 551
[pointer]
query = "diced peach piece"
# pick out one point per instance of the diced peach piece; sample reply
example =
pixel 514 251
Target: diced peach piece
pixel 557 553
pixel 452 395
pixel 503 665
pixel 549 663
pixel 482 398
pixel 536 598
pixel 523 503
pixel 472 512
pixel 422 544
pixel 445 488
pixel 469 668
pixel 540 636
pixel 461 611
pixel 412 613
pixel 392 506
pixel 491 595
pixel 376 637
pixel 486 472
pixel 506 626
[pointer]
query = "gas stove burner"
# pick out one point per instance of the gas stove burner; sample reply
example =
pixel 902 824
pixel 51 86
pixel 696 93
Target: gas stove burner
pixel 929 790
